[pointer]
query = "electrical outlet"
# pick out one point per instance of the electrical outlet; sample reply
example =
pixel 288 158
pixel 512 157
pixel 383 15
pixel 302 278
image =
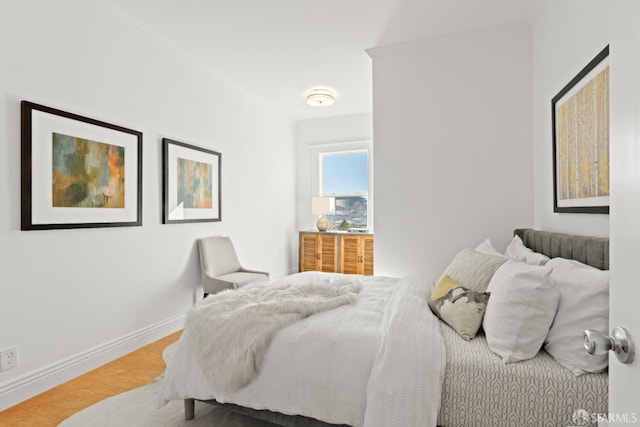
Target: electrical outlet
pixel 8 358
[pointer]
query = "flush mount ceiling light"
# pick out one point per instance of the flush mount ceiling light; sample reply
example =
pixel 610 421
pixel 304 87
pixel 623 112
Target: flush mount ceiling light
pixel 320 97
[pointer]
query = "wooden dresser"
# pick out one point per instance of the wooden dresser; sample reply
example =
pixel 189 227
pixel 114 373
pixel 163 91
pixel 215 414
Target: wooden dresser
pixel 336 252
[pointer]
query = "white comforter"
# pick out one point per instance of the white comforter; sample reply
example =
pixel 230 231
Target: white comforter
pixel 376 363
pixel 231 330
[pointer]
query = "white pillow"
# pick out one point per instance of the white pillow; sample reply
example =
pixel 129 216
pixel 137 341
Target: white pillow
pixel 517 251
pixel 486 247
pixel 521 307
pixel 584 304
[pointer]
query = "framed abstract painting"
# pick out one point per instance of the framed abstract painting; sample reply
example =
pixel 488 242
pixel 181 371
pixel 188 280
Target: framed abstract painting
pixel 78 172
pixel 191 183
pixel 580 122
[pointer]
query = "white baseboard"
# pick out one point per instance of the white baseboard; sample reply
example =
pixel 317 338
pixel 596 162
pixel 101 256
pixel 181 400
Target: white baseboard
pixel 35 382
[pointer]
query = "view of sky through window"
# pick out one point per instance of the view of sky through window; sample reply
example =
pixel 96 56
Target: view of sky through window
pixel 345 173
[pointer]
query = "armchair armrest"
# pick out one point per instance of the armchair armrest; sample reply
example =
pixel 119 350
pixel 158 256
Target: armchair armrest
pixel 211 285
pixel 246 270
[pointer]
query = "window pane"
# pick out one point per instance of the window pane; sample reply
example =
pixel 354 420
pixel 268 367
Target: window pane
pixel 345 173
pixel 345 176
pixel 351 212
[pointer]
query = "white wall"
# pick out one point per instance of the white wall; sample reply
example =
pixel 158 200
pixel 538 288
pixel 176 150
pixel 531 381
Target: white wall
pixel 566 36
pixel 452 125
pixel 334 133
pixel 71 299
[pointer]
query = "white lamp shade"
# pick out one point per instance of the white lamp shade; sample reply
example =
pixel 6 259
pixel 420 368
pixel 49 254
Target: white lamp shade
pixel 323 205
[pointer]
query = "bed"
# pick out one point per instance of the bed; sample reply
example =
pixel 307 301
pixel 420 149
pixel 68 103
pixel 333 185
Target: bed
pixel 373 369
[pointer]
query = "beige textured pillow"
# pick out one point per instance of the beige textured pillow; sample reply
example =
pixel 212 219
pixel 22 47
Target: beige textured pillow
pixel 459 307
pixel 473 269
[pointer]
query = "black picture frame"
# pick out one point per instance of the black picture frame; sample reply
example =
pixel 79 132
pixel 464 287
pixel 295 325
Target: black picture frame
pixel 580 140
pixel 78 172
pixel 191 183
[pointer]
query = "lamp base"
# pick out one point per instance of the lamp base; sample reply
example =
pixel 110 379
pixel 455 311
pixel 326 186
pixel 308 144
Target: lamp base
pixel 323 223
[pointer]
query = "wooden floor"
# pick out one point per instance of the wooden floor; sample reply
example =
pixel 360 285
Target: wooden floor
pixel 54 406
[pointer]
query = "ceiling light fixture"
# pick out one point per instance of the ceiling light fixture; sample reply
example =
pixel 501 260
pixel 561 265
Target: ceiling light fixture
pixel 320 97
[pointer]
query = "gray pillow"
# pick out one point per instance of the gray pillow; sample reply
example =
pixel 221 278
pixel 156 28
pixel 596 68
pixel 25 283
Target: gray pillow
pixel 474 269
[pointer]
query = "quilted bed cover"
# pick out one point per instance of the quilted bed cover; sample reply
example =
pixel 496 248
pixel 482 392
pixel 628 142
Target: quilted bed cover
pixel 480 390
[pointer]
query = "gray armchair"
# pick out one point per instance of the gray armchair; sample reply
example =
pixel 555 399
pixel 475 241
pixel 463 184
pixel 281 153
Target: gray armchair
pixel 220 267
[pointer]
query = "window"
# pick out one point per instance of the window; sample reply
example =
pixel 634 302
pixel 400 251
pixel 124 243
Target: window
pixel 344 175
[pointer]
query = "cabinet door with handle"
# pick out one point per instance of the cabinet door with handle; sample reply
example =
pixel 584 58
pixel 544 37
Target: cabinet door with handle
pixel 350 255
pixel 318 252
pixel 367 255
pixel 309 252
pixel 356 254
pixel 328 251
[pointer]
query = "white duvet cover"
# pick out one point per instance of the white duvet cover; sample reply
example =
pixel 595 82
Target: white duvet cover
pixel 376 363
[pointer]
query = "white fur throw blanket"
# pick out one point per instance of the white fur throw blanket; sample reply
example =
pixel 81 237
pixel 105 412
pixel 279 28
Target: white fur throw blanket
pixel 230 331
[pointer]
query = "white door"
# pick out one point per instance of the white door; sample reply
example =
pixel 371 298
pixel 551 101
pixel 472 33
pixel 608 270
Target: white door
pixel 624 380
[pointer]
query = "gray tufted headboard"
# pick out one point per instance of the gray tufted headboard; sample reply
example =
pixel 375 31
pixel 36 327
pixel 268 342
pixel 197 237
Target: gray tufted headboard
pixel 593 251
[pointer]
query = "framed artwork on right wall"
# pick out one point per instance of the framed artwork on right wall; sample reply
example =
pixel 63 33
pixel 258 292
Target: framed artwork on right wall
pixel 580 123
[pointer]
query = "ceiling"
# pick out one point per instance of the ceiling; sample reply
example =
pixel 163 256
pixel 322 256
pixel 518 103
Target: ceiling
pixel 276 50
